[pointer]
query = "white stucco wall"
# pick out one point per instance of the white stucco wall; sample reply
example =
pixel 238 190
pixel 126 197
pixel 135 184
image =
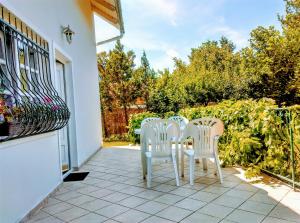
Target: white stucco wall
pixel 29 171
pixel 21 191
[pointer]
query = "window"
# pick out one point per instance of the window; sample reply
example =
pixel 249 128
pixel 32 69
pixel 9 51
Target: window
pixel 29 104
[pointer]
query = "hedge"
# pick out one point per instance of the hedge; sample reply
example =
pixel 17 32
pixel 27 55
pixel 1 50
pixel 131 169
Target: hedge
pixel 252 136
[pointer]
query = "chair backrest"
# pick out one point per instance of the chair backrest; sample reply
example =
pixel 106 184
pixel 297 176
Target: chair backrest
pixel 182 121
pixel 215 123
pixel 146 120
pixel 203 132
pixel 158 136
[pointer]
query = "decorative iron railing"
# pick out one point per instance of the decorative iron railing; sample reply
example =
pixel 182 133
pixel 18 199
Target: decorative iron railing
pixel 29 103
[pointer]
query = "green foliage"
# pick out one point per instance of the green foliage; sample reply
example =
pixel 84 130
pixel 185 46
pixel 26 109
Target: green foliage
pixel 269 67
pixel 144 79
pixel 116 72
pixel 135 123
pixel 116 138
pixel 166 95
pixel 253 138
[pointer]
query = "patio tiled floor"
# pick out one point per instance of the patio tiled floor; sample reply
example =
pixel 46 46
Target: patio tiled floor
pixel 114 191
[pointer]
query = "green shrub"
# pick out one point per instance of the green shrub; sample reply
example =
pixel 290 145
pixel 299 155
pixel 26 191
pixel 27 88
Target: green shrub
pixel 254 135
pixel 117 137
pixel 135 121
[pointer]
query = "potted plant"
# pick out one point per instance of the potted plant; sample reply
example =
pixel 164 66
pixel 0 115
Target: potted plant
pixel 5 117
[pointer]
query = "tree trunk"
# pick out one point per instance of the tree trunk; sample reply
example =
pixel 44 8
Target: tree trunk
pixel 104 123
pixel 126 114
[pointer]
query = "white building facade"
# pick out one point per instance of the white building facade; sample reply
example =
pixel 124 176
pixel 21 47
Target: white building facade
pixel 32 167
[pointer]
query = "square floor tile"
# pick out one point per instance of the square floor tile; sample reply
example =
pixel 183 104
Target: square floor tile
pixel 198 217
pixel 151 207
pixel 118 186
pixel 132 202
pixel 275 220
pixel 95 205
pixel 196 186
pixel 160 179
pixel 112 210
pixel 229 201
pixel 87 189
pixel 246 187
pixel 90 218
pixel 282 212
pixel 164 188
pixel 174 213
pixel 111 221
pixel 71 214
pixel 257 207
pixel 149 194
pixel 101 193
pixel 104 184
pixel 216 189
pixel 67 196
pixel 183 191
pixel 155 219
pixel 38 216
pixel 132 190
pixel 263 198
pixel 204 196
pixel 245 217
pixel 51 201
pixel 57 208
pixel 115 197
pixel 50 219
pixel 190 204
pixel 169 199
pixel 239 193
pixel 80 200
pixel 131 216
pixel 216 210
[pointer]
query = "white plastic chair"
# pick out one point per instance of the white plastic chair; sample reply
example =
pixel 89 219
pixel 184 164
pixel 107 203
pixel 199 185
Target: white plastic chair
pixel 139 131
pixel 182 122
pixel 158 137
pixel 150 119
pixel 205 133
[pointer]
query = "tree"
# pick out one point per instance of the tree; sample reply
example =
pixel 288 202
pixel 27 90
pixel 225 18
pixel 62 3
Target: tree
pixel 144 78
pixel 117 83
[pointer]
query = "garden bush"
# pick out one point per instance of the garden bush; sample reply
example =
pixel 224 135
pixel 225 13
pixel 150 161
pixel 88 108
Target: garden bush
pixel 254 136
pixel 135 121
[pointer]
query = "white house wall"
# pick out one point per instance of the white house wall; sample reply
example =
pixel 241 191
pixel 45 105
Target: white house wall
pixel 29 171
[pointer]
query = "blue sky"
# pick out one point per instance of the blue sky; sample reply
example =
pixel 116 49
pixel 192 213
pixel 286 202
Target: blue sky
pixel 170 28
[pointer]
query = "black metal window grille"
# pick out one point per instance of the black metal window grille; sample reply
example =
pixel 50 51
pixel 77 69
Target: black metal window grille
pixel 29 102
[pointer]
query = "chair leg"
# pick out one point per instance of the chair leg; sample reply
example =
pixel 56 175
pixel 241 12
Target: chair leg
pixel 149 171
pixel 174 159
pixel 219 169
pixel 182 161
pixel 192 169
pixel 144 165
pixel 143 159
pixel 177 159
pixel 204 160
